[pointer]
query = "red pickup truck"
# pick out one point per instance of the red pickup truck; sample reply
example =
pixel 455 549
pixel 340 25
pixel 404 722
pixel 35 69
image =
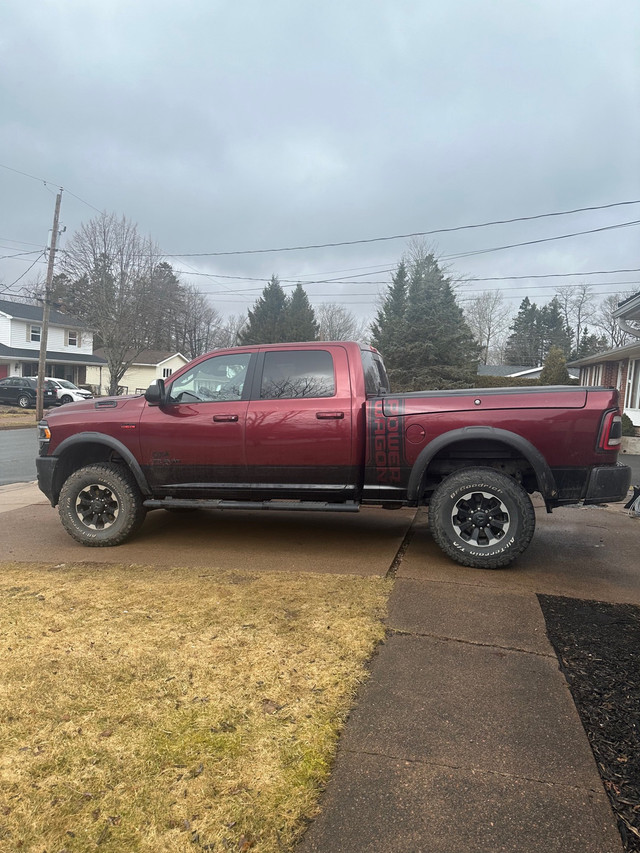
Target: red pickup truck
pixel 314 426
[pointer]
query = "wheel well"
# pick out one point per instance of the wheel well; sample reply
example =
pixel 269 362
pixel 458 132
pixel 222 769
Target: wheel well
pixel 79 456
pixel 484 453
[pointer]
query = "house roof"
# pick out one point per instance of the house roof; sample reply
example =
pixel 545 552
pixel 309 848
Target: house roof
pixel 60 357
pixel 503 369
pixel 617 354
pixel 629 309
pixel 33 313
pixel 148 357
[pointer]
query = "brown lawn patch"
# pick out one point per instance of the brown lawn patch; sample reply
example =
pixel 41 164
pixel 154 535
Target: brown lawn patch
pixel 175 710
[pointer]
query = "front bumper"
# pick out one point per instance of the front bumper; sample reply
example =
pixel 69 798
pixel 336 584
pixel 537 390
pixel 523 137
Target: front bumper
pixel 45 466
pixel 608 484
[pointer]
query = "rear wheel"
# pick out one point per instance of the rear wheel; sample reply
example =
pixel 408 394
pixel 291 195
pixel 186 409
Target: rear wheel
pixel 481 518
pixel 101 505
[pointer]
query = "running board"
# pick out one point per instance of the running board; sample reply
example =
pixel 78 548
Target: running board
pixel 274 506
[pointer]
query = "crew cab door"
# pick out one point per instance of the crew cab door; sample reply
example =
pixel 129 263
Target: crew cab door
pixel 299 425
pixel 193 445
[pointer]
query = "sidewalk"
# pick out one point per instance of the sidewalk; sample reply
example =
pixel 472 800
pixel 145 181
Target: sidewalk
pixel 466 737
pixel 19 495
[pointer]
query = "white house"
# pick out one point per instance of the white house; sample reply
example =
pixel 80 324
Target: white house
pixel 147 366
pixel 69 343
pixel 620 367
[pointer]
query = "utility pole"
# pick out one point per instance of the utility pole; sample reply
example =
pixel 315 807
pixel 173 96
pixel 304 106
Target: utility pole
pixel 44 332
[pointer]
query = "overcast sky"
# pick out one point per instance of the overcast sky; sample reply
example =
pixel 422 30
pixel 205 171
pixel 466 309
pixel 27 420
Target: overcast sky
pixel 233 126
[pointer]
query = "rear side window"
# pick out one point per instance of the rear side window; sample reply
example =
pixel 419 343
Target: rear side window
pixel 375 376
pixel 297 373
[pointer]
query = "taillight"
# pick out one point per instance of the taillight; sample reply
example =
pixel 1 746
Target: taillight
pixel 611 431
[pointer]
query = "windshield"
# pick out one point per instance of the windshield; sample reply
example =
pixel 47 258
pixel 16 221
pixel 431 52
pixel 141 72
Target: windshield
pixel 66 384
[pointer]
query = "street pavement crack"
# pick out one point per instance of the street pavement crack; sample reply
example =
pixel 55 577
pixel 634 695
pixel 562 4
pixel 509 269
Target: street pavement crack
pixel 473 770
pixel 397 560
pixel 399 632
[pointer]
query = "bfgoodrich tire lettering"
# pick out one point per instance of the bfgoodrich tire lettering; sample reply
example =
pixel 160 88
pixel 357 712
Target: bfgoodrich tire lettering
pixel 481 518
pixel 101 505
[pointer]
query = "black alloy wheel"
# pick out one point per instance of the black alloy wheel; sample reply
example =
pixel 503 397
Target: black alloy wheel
pixel 481 518
pixel 101 505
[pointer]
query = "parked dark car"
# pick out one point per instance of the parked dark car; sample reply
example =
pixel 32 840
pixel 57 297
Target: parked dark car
pixel 21 391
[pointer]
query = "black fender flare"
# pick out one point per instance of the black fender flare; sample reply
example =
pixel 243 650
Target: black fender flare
pixel 108 441
pixel 546 481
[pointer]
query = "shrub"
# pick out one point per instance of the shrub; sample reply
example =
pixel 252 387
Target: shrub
pixel 627 426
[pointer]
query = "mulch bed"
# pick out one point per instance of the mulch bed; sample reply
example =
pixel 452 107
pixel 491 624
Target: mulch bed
pixel 598 646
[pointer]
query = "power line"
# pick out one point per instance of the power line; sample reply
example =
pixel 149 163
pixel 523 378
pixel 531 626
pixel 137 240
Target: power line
pixel 46 183
pixel 13 283
pixel 416 233
pixel 543 240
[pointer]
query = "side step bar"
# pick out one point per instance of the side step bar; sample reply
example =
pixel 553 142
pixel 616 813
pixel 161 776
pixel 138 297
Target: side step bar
pixel 274 506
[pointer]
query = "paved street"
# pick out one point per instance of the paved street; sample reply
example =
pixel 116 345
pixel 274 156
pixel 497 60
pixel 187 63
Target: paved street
pixel 18 451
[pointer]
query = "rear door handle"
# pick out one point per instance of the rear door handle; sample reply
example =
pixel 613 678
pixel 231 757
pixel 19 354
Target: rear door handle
pixel 330 416
pixel 225 419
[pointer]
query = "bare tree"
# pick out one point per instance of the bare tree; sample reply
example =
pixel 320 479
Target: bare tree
pixel 338 324
pixel 198 323
pixel 605 322
pixel 577 308
pixel 488 318
pixel 228 334
pixel 110 267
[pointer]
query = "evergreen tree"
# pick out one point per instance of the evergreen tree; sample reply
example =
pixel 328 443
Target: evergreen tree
pixel 523 344
pixel 387 330
pixel 421 331
pixel 554 330
pixel 299 319
pixel 590 344
pixel 267 321
pixel 555 370
pixel 534 331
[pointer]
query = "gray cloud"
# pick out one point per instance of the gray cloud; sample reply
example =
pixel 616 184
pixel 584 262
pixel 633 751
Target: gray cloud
pixel 219 126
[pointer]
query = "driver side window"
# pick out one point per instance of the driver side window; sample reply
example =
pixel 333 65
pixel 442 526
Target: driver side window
pixel 218 379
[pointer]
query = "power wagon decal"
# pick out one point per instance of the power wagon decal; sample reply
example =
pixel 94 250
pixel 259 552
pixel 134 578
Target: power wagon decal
pixel 386 464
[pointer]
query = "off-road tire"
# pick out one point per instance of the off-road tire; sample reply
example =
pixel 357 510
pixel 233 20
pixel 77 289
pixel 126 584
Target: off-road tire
pixel 23 401
pixel 101 505
pixel 481 518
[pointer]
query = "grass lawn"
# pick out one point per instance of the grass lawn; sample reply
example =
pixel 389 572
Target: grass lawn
pixel 13 416
pixel 173 710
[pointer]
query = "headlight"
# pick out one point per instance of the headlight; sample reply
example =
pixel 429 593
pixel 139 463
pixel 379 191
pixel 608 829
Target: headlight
pixel 44 437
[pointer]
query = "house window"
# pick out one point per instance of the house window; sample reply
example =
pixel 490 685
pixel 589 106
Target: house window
pixel 593 375
pixel 166 372
pixel 72 338
pixel 633 385
pixel 34 333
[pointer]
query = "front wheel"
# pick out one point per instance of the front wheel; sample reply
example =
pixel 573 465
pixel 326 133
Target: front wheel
pixel 66 398
pixel 101 505
pixel 481 518
pixel 23 401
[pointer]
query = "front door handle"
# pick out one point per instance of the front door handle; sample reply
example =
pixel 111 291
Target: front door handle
pixel 330 416
pixel 225 419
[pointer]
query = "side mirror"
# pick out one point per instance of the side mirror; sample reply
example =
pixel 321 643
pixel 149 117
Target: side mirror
pixel 155 394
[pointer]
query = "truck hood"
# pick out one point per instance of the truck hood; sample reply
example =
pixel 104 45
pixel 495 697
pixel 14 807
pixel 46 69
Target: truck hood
pixel 97 406
pixel 478 399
